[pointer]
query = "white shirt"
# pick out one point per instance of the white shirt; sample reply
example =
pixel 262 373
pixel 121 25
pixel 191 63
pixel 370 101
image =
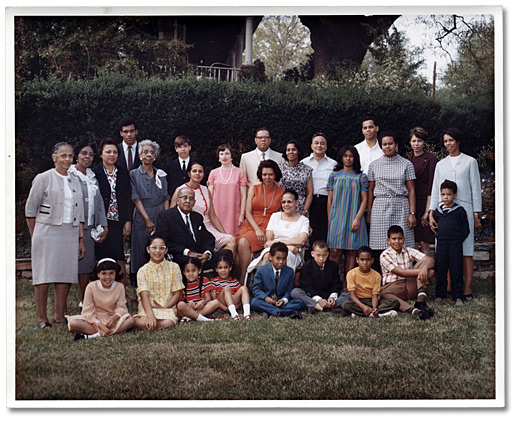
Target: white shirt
pixel 320 172
pixel 184 160
pixel 125 150
pixel 285 300
pixel 266 153
pixel 187 250
pixel 367 155
pixel 68 203
pixel 454 160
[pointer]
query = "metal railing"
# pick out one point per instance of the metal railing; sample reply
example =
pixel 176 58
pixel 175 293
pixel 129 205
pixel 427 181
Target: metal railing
pixel 220 73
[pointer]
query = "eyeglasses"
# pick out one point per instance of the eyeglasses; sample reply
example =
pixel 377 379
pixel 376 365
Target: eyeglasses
pixel 86 153
pixel 287 201
pixel 263 138
pixel 186 198
pixel 148 152
pixel 158 247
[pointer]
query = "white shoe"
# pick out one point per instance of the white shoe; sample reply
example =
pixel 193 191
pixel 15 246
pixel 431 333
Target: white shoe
pixel 459 302
pixel 355 316
pixel 391 313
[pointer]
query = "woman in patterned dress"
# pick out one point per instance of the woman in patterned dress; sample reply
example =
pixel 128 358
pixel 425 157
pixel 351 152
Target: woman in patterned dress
pixel 424 165
pixel 204 206
pixel 150 197
pixel 391 196
pixel 347 202
pixel 297 176
pixel 228 186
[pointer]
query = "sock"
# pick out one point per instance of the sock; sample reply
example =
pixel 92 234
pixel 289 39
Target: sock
pixel 415 311
pixel 232 309
pixel 94 335
pixel 202 318
pixel 247 309
pixel 421 296
pixel 186 318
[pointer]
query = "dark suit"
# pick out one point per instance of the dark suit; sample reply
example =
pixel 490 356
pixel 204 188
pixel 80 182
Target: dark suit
pixel 172 227
pixel 113 244
pixel 175 175
pixel 264 286
pixel 121 158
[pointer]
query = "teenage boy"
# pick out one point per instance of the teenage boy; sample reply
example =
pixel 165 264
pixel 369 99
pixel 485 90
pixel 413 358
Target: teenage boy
pixel 128 155
pixel 320 285
pixel 272 287
pixel 452 230
pixel 369 149
pixel 402 279
pixel 177 170
pixel 364 285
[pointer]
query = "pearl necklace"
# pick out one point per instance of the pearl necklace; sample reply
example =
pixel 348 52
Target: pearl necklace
pixel 229 178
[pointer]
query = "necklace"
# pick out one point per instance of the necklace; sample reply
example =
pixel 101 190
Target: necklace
pixel 225 182
pixel 265 199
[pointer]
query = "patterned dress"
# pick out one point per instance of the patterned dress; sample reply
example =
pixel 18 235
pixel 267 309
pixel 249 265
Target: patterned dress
pixel 202 206
pixel 390 205
pixel 346 190
pixel 161 281
pixel 296 177
pixel 152 196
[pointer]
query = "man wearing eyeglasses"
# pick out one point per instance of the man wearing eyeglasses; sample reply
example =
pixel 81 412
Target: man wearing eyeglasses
pixel 249 161
pixel 184 232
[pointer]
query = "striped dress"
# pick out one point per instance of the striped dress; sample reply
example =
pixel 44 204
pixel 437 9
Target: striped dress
pixel 346 190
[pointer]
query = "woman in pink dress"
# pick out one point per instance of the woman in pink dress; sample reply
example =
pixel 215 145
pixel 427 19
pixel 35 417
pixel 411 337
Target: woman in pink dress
pixel 228 186
pixel 204 206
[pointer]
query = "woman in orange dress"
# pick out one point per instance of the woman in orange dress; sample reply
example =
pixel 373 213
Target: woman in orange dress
pixel 263 200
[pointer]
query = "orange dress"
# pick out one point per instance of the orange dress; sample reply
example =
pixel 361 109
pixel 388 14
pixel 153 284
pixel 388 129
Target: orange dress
pixel 272 204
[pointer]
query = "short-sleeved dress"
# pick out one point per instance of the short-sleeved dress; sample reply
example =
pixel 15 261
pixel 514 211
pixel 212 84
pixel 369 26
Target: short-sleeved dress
pixel 296 177
pixel 283 229
pixel 161 281
pixel 346 190
pixel 390 205
pixel 201 206
pixel 152 192
pixel 100 304
pixel 424 166
pixel 271 201
pixel 226 196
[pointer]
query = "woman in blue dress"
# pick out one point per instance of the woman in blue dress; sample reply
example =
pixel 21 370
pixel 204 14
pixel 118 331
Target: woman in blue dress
pixel 346 205
pixel 463 170
pixel 150 196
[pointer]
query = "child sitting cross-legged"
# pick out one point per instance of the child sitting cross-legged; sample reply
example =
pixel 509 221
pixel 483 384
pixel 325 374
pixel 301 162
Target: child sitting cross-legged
pixel 104 309
pixel 227 290
pixel 364 284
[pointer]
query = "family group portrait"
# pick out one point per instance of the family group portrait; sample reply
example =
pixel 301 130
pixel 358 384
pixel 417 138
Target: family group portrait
pixel 269 207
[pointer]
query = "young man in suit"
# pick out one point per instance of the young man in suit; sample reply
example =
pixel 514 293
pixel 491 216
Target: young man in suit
pixel 249 161
pixel 177 170
pixel 273 284
pixel 184 231
pixel 128 158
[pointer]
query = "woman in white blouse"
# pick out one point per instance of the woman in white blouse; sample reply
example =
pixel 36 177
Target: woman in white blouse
pixel 54 215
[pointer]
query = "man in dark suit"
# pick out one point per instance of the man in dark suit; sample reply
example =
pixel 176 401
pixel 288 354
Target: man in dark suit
pixel 128 158
pixel 273 284
pixel 184 231
pixel 177 169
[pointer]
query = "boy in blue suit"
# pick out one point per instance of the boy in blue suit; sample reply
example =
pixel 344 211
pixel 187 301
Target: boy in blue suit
pixel 272 287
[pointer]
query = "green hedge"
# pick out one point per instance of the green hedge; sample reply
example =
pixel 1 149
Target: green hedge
pixel 210 113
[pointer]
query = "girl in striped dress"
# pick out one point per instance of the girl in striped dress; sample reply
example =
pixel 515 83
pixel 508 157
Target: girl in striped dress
pixel 348 198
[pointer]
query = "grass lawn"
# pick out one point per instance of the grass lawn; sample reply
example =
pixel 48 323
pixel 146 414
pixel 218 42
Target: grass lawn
pixel 323 356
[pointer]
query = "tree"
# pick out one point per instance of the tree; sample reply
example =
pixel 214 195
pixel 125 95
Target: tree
pixel 472 74
pixel 281 43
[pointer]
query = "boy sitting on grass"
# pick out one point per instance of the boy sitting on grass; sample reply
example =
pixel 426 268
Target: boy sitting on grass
pixel 401 279
pixel 273 284
pixel 364 284
pixel 320 286
pixel 452 230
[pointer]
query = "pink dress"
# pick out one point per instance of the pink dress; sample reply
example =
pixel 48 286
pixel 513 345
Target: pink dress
pixel 202 206
pixel 226 196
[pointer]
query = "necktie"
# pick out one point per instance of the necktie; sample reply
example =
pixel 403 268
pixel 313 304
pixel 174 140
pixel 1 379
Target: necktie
pixel 130 161
pixel 184 165
pixel 263 156
pixel 277 275
pixel 189 228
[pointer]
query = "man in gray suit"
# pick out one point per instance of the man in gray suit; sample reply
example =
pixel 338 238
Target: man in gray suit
pixel 249 161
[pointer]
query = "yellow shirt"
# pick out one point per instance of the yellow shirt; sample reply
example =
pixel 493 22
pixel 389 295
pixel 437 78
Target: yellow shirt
pixel 161 281
pixel 363 284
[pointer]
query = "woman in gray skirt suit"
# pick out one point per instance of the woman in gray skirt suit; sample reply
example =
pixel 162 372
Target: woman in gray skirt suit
pixel 54 215
pixel 94 209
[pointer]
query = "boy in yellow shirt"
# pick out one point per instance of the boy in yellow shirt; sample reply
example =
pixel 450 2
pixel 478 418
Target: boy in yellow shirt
pixel 364 284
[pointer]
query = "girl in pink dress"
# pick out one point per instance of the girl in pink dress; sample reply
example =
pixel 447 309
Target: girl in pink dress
pixel 228 186
pixel 204 206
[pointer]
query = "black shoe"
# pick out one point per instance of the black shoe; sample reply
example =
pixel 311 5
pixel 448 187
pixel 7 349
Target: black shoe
pixel 424 314
pixel 78 336
pixel 421 305
pixel 295 315
pixel 311 310
pixel 340 311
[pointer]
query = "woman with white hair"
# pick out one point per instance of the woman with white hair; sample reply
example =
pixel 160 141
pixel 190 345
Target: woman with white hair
pixel 150 196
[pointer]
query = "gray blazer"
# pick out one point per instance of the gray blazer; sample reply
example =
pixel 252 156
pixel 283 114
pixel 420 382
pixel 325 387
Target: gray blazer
pixel 45 201
pixel 100 216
